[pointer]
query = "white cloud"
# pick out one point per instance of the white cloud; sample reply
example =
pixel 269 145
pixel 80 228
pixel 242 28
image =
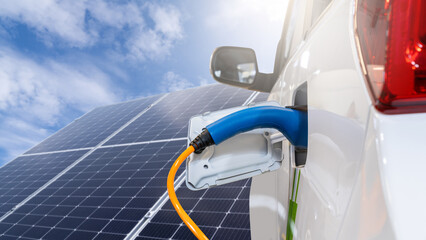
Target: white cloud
pixel 248 23
pixel 116 15
pixel 204 81
pixel 37 95
pixel 147 44
pixel 174 82
pixel 17 135
pixel 84 23
pixel 156 43
pixel 65 19
pixel 3 33
pixel 246 12
pixel 41 89
pixel 167 20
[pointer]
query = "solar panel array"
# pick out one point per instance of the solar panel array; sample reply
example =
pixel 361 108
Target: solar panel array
pixel 103 196
pixel 93 127
pixel 221 213
pixel 103 175
pixel 261 97
pixel 169 118
pixel 23 176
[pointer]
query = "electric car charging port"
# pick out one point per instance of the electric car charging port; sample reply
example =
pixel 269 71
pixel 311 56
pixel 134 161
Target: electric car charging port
pixel 300 103
pixel 234 144
pixel 245 155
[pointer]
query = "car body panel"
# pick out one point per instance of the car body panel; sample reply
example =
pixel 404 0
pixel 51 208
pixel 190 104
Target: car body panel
pixel 339 106
pixel 364 174
pixel 388 198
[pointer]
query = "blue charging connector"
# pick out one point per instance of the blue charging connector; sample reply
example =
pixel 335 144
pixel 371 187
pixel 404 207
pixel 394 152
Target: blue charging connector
pixel 290 122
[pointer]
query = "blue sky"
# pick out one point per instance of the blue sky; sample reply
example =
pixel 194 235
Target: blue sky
pixel 60 59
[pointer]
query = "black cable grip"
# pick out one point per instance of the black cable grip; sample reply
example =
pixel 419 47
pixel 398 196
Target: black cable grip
pixel 202 141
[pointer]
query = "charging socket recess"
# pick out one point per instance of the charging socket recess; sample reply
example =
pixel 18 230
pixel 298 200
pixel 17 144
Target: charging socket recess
pixel 242 156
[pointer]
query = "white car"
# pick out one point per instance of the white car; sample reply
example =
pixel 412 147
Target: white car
pixel 360 68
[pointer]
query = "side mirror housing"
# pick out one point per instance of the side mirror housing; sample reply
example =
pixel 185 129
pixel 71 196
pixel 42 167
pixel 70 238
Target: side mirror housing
pixel 237 66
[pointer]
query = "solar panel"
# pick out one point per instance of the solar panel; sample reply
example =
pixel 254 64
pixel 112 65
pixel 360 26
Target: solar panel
pixel 26 174
pixel 108 194
pixel 221 213
pixel 169 118
pixel 93 127
pixel 103 195
pixel 261 97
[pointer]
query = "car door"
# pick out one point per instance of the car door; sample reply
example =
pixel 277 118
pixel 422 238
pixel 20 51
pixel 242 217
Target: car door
pixel 320 69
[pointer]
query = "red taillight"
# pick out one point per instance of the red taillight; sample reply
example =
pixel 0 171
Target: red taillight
pixel 392 38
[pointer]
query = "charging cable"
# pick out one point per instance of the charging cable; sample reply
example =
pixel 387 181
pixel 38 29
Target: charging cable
pixel 290 122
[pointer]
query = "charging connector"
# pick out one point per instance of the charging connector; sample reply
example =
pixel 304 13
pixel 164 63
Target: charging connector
pixel 292 123
pixel 203 140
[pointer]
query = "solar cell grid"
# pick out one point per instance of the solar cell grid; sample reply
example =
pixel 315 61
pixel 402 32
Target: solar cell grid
pixel 93 127
pixel 261 97
pixel 105 194
pixel 221 212
pixel 26 174
pixel 169 118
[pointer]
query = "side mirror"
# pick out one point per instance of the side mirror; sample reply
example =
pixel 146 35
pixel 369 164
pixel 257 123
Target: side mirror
pixel 234 65
pixel 237 66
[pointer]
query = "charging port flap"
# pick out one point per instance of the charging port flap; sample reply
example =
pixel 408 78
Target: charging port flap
pixel 239 157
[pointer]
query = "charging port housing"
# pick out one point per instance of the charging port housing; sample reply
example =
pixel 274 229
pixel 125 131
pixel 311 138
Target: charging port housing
pixel 242 156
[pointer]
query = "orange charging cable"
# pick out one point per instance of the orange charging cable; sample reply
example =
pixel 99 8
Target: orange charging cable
pixel 175 202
